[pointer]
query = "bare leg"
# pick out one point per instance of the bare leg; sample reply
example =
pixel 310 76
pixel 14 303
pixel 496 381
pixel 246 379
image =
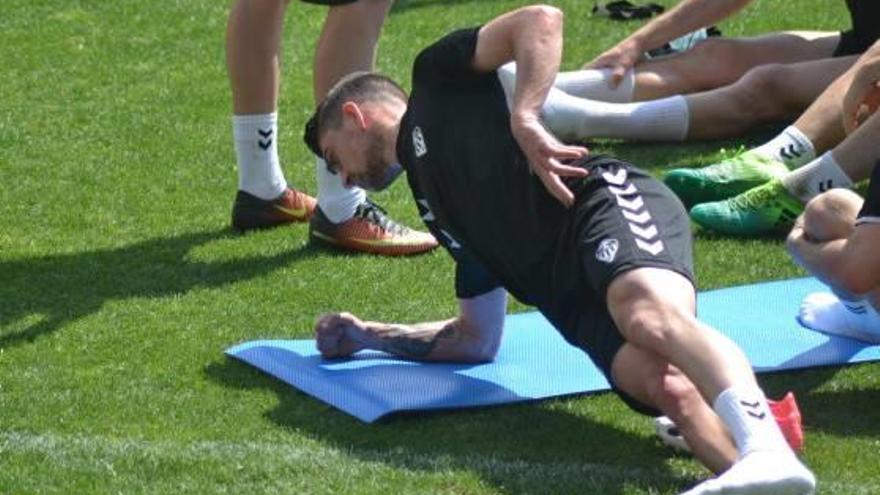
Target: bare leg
pixel 253 42
pixel 718 62
pixel 651 380
pixel 347 44
pixel 654 309
pixel 858 153
pixel 765 94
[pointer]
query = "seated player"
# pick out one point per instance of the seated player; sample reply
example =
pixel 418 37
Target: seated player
pixel 836 238
pixel 605 255
pixel 763 195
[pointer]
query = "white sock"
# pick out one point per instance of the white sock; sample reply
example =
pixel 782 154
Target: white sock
pixel 791 147
pixel 337 202
pixel 825 312
pixel 256 149
pixel 573 118
pixel 745 412
pixel 591 84
pixel 816 177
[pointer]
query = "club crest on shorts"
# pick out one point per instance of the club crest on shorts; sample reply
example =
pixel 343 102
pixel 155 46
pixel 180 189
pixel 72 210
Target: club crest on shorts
pixel 607 250
pixel 419 142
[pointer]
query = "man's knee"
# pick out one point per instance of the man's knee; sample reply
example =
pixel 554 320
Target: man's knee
pixel 762 92
pixel 651 321
pixel 717 62
pixel 831 215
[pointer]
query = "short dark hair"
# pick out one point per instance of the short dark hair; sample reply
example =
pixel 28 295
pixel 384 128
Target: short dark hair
pixel 359 87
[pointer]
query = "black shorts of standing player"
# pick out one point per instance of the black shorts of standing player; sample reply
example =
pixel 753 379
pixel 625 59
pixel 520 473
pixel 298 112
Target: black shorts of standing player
pixel 865 30
pixel 624 219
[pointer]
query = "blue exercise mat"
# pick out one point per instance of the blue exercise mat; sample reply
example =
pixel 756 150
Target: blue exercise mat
pixel 534 362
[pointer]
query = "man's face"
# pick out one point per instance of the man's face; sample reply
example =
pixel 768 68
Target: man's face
pixel 358 154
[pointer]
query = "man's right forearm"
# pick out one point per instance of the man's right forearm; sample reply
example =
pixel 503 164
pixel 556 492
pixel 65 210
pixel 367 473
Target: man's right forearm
pixel 685 17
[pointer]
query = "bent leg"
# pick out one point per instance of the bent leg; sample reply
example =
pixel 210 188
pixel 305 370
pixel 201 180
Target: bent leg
pixel 718 62
pixel 654 309
pixel 765 94
pixel 651 380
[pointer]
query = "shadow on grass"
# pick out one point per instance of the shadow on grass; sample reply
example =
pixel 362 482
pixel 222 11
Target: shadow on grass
pixel 518 449
pixel 53 290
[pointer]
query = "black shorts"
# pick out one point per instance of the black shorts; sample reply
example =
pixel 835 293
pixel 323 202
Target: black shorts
pixel 625 219
pixel 870 212
pixel 330 3
pixel 865 30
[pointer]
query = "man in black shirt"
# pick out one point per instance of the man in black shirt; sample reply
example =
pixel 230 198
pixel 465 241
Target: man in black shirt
pixel 609 263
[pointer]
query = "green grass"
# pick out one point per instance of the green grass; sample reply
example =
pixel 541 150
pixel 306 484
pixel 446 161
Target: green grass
pixel 120 283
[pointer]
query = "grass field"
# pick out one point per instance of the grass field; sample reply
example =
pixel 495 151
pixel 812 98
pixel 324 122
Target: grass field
pixel 121 283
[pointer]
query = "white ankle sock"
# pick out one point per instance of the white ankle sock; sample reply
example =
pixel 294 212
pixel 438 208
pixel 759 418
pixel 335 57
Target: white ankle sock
pixel 337 202
pixel 791 147
pixel 827 313
pixel 816 177
pixel 256 150
pixel 573 118
pixel 745 412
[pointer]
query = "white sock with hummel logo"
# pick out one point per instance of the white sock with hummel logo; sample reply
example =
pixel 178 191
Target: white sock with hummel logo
pixel 745 412
pixel 791 147
pixel 816 177
pixel 256 151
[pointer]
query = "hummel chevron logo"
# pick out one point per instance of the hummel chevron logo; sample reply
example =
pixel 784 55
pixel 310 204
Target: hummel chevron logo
pixel 654 248
pixel 753 405
pixel 859 310
pixel 642 217
pixel 630 204
pixel 617 178
pixel 645 233
pixel 266 134
pixel 427 215
pixel 629 190
pixel 790 152
pixel 453 244
pixel 419 145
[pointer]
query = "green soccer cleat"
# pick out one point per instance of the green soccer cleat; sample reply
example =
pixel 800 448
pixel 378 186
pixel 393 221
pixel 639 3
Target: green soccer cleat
pixel 723 180
pixel 765 209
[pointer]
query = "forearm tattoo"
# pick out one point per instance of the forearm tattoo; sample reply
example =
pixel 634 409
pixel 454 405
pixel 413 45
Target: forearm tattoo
pixel 413 342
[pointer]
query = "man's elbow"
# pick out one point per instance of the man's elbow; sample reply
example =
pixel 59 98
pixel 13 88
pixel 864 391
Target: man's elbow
pixel 484 348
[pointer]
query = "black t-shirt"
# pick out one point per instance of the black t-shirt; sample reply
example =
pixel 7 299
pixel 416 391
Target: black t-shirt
pixel 471 181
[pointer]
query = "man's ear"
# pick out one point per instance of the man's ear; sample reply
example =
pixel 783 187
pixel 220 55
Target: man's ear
pixel 351 110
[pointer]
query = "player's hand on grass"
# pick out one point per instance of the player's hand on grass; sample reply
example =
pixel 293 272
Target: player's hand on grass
pixel 619 58
pixel 546 155
pixel 339 335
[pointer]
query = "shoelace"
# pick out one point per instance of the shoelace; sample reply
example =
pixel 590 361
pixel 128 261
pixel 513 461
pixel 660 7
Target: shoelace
pixel 375 214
